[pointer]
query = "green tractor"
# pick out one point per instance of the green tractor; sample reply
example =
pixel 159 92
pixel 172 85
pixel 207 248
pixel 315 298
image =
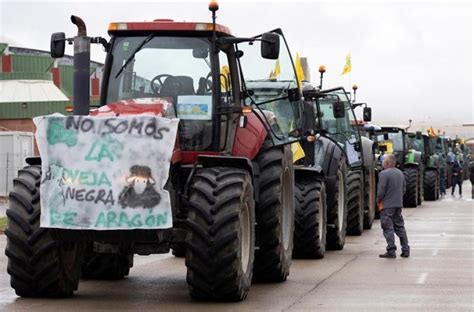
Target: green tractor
pixel 441 148
pixel 430 164
pixel 393 140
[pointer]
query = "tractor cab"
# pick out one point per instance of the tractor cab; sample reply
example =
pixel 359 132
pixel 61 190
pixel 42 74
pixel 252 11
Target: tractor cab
pixel 392 140
pixel 187 71
pixel 336 119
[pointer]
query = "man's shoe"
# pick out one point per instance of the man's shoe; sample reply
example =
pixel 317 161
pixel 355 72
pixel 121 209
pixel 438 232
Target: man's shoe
pixel 405 254
pixel 390 255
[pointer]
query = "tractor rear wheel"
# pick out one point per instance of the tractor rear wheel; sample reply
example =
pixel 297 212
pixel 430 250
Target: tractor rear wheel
pixel 39 266
pixel 430 184
pixel 105 266
pixel 411 183
pixel 355 219
pixel 275 215
pixel 221 235
pixel 337 210
pixel 310 219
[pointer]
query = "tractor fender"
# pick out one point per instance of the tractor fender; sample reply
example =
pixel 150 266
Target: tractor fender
pixel 248 140
pixel 235 162
pixel 367 152
pixel 327 155
pixel 302 172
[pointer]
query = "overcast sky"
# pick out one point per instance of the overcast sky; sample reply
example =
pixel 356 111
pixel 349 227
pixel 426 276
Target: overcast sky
pixel 410 60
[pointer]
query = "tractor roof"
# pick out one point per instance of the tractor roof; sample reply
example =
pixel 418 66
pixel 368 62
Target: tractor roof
pixel 393 128
pixel 167 25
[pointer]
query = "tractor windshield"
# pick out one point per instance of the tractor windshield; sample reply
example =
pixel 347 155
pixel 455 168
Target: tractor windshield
pixel 269 85
pixel 343 130
pixel 173 71
pixel 163 67
pixel 415 143
pixel 392 140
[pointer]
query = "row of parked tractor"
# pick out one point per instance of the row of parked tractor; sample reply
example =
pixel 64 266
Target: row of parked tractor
pixel 270 169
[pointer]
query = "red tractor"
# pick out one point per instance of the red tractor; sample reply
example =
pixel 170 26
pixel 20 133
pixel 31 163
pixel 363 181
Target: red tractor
pixel 231 175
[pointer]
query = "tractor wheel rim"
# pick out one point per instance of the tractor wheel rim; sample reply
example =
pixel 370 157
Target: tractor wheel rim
pixel 286 215
pixel 245 240
pixel 340 200
pixel 320 218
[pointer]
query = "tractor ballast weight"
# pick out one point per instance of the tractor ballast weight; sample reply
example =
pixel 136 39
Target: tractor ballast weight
pixel 231 174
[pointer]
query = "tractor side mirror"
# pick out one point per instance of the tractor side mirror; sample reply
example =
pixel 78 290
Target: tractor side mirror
pixel 367 114
pixel 58 44
pixel 338 110
pixel 270 47
pixel 419 135
pixel 385 136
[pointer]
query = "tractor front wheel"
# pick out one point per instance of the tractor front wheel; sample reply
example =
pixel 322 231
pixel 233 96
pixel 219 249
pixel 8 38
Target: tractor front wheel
pixel 39 266
pixel 221 235
pixel 410 199
pixel 310 219
pixel 275 214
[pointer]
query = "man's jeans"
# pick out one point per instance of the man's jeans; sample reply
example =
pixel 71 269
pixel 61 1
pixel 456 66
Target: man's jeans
pixel 392 223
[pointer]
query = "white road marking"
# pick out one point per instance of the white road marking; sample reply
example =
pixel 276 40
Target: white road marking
pixel 422 278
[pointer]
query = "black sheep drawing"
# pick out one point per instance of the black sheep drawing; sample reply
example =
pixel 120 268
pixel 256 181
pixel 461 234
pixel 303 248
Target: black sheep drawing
pixel 140 191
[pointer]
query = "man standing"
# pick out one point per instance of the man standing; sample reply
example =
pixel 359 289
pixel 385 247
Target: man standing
pixel 390 192
pixel 457 174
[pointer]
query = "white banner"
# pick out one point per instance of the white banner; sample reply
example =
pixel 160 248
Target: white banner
pixel 105 173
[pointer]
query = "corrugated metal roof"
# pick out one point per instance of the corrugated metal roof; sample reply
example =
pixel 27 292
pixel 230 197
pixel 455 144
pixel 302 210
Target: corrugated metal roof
pixel 12 91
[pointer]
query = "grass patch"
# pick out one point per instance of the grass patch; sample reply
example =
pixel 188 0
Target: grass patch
pixel 3 223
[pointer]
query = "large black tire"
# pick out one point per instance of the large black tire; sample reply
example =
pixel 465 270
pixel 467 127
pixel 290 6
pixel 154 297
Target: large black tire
pixel 420 183
pixel 337 210
pixel 355 219
pixel 221 235
pixel 105 266
pixel 275 214
pixel 370 198
pixel 411 192
pixel 430 184
pixel 38 265
pixel 310 219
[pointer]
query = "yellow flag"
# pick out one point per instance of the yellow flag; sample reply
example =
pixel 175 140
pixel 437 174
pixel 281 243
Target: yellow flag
pixel 277 69
pixel 297 150
pixel 225 75
pixel 348 67
pixel 299 70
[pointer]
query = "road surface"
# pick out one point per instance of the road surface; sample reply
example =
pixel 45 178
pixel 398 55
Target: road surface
pixel 437 277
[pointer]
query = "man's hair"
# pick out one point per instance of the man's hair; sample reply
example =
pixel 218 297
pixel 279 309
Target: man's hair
pixel 390 160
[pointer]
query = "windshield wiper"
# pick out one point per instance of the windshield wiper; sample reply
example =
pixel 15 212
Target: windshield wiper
pixel 132 56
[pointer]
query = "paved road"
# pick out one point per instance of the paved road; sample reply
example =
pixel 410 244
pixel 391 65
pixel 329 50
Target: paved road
pixel 438 276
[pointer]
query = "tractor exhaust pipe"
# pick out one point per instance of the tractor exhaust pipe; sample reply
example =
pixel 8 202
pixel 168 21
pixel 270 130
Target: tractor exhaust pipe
pixel 81 79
